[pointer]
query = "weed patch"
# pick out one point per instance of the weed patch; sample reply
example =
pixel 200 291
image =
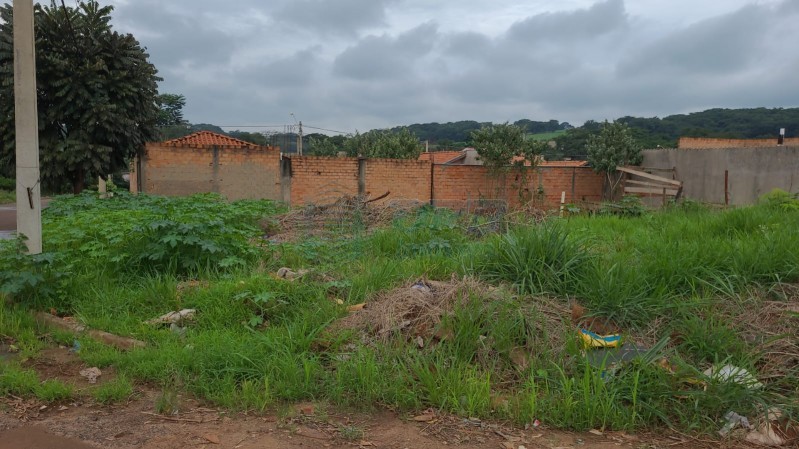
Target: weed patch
pixel 474 323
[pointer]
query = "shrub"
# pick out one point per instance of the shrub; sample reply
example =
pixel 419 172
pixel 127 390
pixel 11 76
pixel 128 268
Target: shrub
pixel 535 260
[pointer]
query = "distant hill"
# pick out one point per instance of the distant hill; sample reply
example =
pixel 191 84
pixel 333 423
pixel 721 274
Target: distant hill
pixel 459 134
pixel 650 132
pixel 653 132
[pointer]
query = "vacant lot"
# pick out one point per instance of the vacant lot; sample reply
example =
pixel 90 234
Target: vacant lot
pixel 373 308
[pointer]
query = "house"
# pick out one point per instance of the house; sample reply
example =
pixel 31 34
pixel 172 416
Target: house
pixel 205 162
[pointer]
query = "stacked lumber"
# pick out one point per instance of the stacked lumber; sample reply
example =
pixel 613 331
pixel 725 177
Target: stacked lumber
pixel 639 182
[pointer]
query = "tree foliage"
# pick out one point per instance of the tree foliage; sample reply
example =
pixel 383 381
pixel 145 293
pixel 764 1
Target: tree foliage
pixel 501 146
pixel 96 93
pixel 322 145
pixel 170 109
pixel 611 147
pixel 753 123
pixel 395 144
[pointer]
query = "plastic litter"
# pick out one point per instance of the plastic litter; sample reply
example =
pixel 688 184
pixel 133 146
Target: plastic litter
pixel 421 286
pixel 733 420
pixel 610 359
pixel 733 374
pixel 594 340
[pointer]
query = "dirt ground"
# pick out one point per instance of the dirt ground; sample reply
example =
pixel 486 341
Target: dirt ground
pixel 82 424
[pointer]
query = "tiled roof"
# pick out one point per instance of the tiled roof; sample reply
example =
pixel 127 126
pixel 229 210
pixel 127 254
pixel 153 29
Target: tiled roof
pixel 439 157
pixel 203 138
pixel 563 164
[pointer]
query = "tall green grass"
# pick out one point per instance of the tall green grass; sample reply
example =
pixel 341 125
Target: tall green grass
pixel 259 341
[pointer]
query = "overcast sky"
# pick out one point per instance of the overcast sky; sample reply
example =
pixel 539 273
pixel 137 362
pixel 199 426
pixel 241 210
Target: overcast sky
pixel 363 64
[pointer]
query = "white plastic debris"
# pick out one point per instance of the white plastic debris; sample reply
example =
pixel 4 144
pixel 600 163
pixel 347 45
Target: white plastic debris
pixel 733 420
pixel 733 374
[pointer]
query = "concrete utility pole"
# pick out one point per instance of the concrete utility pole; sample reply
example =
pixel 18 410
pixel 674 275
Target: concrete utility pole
pixel 299 141
pixel 29 204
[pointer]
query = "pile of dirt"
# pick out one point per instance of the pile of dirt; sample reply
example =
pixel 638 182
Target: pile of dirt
pixel 415 310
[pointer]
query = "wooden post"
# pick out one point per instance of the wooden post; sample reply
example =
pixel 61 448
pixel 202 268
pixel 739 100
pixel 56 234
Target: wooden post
pixel 562 201
pixel 726 187
pixel 664 197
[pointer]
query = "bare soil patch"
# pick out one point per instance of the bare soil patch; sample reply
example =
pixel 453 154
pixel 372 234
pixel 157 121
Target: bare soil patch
pixel 28 424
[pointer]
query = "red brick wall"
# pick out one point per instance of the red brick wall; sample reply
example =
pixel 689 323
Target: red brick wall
pixel 256 173
pixel 405 179
pixel 462 186
pixel 318 180
pixel 713 143
pixel 234 172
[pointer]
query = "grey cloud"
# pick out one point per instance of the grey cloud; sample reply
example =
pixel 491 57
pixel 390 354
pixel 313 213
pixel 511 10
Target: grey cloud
pixel 467 44
pixel 386 57
pixel 345 17
pixel 599 19
pixel 294 71
pixel 259 61
pixel 715 46
pixel 178 36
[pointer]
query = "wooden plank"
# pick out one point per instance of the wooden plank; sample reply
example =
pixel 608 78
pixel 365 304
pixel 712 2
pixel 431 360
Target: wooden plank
pixel 646 175
pixel 648 184
pixel 651 191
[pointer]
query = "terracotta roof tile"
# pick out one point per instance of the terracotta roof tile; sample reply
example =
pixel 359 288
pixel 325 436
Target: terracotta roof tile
pixel 211 139
pixel 439 157
pixel 563 164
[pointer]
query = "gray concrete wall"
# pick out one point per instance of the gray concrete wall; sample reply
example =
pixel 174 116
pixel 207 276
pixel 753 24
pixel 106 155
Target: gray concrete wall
pixel 752 172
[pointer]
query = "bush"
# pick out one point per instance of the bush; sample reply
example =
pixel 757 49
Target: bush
pixel 7 183
pixel 535 260
pixel 781 199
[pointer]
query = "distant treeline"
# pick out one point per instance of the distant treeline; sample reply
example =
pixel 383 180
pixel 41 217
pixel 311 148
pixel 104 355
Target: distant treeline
pixel 664 132
pixel 649 132
pixel 458 134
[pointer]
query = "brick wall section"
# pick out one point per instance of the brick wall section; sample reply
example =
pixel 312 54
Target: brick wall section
pixel 713 143
pixel 462 186
pixel 234 172
pixel 256 173
pixel 319 180
pixel 405 179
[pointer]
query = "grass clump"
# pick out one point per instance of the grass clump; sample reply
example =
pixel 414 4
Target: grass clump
pixel 535 260
pixel 114 391
pixel 17 381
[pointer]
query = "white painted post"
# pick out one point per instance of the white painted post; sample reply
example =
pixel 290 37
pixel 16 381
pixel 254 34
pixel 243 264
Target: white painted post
pixel 562 201
pixel 29 204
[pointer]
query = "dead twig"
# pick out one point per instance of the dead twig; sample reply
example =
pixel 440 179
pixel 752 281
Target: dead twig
pixel 169 418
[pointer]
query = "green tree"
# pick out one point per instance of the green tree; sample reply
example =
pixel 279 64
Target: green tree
pixel 504 145
pixel 611 147
pixel 171 123
pixel 395 144
pixel 96 93
pixel 322 145
pixel 170 109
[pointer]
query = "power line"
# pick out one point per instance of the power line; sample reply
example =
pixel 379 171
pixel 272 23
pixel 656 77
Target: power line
pixel 331 130
pixel 281 126
pixel 250 126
